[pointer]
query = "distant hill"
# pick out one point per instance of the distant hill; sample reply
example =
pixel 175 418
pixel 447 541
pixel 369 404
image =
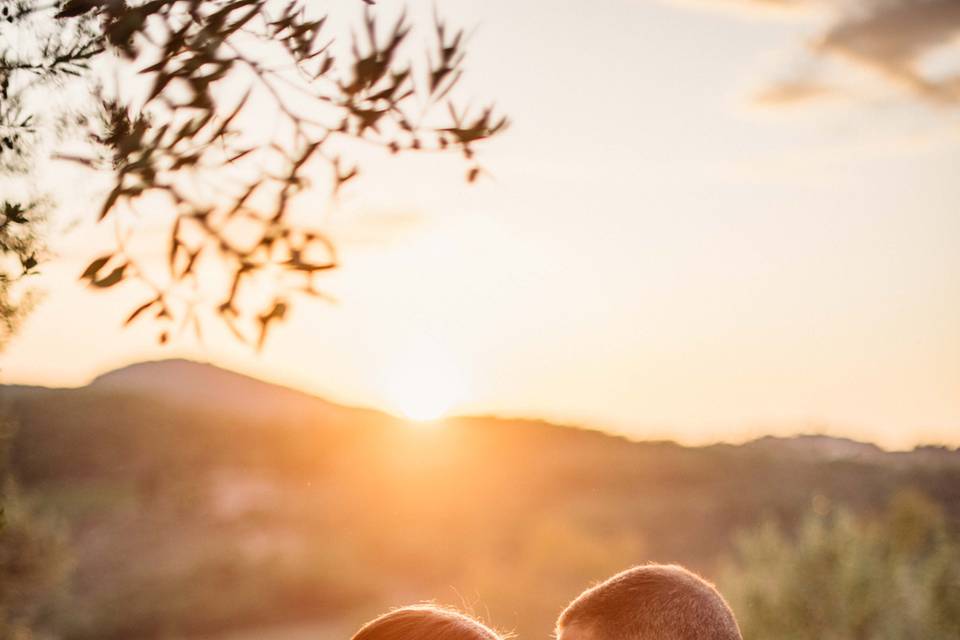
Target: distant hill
pixel 816 447
pixel 194 401
pixel 819 447
pixel 205 386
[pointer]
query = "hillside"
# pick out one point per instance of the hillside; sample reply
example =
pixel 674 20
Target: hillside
pixel 204 386
pixel 223 502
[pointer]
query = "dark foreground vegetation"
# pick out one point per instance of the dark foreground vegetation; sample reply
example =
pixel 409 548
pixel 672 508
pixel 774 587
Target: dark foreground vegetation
pixel 175 500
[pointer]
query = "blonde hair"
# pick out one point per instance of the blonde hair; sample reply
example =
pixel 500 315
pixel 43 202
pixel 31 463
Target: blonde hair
pixel 425 622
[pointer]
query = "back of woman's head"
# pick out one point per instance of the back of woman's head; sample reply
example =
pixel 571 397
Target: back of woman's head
pixel 424 622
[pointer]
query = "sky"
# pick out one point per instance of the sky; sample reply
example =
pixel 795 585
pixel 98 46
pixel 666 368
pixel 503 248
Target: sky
pixel 710 220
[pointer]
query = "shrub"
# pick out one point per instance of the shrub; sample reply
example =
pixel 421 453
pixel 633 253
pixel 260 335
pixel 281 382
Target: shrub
pixel 840 576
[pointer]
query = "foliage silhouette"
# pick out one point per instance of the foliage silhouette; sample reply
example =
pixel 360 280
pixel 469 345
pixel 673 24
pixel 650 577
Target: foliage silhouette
pixel 20 250
pixel 842 576
pixel 188 130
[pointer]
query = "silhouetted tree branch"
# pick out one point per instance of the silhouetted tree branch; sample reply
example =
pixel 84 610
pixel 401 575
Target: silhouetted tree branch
pixel 242 104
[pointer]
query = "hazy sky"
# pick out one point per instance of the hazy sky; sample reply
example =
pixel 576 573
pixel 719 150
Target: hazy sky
pixel 710 220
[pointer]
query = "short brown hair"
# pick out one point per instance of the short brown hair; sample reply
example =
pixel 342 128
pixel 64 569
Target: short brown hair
pixel 652 602
pixel 424 622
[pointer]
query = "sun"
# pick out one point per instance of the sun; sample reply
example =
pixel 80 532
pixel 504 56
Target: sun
pixel 423 383
pixel 422 405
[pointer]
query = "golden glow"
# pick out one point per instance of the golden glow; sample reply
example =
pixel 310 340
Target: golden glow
pixel 422 383
pixel 606 293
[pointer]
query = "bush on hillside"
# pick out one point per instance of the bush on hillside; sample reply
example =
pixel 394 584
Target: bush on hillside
pixel 844 577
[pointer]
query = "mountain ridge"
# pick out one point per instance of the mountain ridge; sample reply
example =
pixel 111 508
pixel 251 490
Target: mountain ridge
pixel 204 385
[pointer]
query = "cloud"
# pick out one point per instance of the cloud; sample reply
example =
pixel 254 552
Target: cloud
pixel 375 227
pixel 894 39
pixel 789 93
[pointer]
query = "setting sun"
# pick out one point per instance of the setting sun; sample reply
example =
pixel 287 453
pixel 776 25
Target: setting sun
pixel 423 383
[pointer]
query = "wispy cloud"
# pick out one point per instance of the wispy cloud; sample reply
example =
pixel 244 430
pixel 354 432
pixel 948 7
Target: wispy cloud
pixel 894 39
pixel 792 92
pixel 377 227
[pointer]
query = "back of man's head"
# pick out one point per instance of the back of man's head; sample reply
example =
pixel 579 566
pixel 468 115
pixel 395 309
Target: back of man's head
pixel 651 602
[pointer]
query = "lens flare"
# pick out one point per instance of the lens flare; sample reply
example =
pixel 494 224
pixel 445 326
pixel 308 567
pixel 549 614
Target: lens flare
pixel 423 383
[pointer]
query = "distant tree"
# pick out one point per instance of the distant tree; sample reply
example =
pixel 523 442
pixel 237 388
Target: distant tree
pixel 34 556
pixel 227 109
pixel 840 577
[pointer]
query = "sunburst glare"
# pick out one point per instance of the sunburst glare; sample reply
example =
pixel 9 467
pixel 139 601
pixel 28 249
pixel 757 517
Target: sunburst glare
pixel 422 382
